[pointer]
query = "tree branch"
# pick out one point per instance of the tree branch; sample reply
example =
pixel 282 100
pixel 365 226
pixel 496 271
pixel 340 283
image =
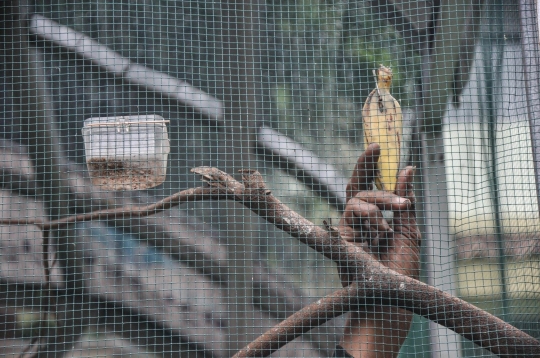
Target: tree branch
pixel 463 318
pixel 168 234
pixel 374 280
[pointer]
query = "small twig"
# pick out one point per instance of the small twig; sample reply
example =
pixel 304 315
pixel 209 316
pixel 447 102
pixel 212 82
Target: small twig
pixel 374 280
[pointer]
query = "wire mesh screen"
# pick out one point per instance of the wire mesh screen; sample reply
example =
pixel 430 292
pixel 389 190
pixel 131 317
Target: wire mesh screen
pixel 387 203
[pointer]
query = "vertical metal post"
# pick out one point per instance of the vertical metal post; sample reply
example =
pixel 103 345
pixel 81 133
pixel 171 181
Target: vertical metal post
pixel 492 72
pixel 432 210
pixel 531 65
pixel 239 58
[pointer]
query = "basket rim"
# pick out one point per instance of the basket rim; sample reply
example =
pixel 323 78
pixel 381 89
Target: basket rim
pixel 120 123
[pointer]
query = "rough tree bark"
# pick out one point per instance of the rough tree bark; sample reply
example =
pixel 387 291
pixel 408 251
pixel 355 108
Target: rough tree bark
pixel 374 281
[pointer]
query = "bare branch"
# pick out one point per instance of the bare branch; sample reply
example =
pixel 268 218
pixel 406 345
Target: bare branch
pixel 168 234
pixel 374 280
pixel 464 318
pixel 190 195
pixel 311 316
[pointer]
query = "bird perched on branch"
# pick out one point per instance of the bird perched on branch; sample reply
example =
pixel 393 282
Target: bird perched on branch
pixel 383 124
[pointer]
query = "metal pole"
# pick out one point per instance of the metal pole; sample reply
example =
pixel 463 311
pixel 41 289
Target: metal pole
pixel 531 65
pixel 492 61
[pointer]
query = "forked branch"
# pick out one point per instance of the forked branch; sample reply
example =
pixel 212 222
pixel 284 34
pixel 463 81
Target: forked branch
pixel 374 281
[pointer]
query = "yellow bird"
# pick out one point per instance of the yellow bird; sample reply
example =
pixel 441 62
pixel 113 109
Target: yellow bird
pixel 383 124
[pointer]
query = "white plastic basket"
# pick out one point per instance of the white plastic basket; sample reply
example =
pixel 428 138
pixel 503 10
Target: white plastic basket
pixel 126 153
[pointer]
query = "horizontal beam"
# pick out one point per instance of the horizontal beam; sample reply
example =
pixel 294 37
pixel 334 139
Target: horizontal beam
pixel 121 66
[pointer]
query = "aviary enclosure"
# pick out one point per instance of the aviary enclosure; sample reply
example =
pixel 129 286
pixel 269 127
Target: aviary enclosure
pixel 176 178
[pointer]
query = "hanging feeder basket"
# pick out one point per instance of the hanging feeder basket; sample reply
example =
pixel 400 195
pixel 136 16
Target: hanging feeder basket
pixel 126 153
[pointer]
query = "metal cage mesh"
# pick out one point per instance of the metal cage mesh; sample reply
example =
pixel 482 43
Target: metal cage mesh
pixel 278 87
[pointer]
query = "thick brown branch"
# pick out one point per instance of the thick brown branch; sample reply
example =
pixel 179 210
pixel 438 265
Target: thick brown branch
pixel 301 322
pixel 465 319
pixel 374 280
